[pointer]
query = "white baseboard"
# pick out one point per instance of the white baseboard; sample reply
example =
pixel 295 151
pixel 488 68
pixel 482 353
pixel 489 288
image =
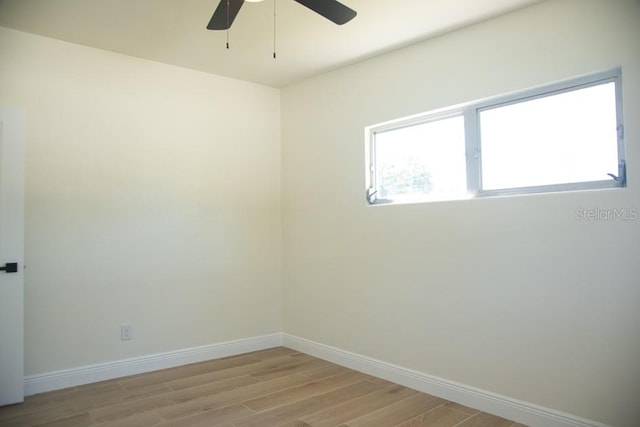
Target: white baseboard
pixel 507 407
pixel 513 409
pixel 105 371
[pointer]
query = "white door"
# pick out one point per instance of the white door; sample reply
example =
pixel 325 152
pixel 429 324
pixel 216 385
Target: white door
pixel 12 148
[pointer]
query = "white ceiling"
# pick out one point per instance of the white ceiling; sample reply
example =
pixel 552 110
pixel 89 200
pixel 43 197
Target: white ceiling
pixel 174 31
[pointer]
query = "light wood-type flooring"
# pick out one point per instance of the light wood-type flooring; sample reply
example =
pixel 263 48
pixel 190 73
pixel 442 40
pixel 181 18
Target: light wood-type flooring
pixel 276 387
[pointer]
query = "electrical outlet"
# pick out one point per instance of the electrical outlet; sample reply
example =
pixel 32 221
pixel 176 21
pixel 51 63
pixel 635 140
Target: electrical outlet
pixel 126 332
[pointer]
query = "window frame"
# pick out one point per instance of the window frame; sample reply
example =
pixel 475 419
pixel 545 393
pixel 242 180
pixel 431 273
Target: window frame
pixel 473 144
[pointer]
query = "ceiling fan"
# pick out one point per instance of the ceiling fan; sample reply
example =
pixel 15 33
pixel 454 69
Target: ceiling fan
pixel 333 10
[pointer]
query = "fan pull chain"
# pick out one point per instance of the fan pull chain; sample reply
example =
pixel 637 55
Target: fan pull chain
pixel 274 29
pixel 228 26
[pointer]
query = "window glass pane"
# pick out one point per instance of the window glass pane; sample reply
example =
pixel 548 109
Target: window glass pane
pixel 425 160
pixel 565 138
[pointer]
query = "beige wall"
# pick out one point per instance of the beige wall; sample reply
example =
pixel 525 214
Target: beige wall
pixel 512 295
pixel 152 198
pixel 152 201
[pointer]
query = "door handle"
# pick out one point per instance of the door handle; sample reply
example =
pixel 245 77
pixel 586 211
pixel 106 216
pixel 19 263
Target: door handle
pixel 10 267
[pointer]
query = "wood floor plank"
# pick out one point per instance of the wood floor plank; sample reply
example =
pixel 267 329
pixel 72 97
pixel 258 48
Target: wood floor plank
pixel 296 423
pixel 291 412
pixel 31 404
pixel 41 416
pixel 85 402
pixel 356 408
pixel 138 406
pixel 213 417
pixel 296 365
pixel 442 416
pixel 461 408
pixel 283 362
pixel 483 419
pixel 145 419
pixel 273 352
pixel 80 420
pixel 230 397
pixel 304 391
pixel 401 411
pixel 180 372
pixel 324 371
pixel 69 400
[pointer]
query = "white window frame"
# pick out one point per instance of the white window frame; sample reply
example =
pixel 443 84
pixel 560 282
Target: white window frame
pixel 473 143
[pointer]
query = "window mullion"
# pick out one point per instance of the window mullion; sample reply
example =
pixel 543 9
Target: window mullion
pixel 472 145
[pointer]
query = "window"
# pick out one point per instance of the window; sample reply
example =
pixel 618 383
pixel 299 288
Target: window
pixel 421 160
pixel 562 137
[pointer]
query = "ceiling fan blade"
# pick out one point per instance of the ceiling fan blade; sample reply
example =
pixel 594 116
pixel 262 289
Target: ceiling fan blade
pixel 331 9
pixel 224 15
